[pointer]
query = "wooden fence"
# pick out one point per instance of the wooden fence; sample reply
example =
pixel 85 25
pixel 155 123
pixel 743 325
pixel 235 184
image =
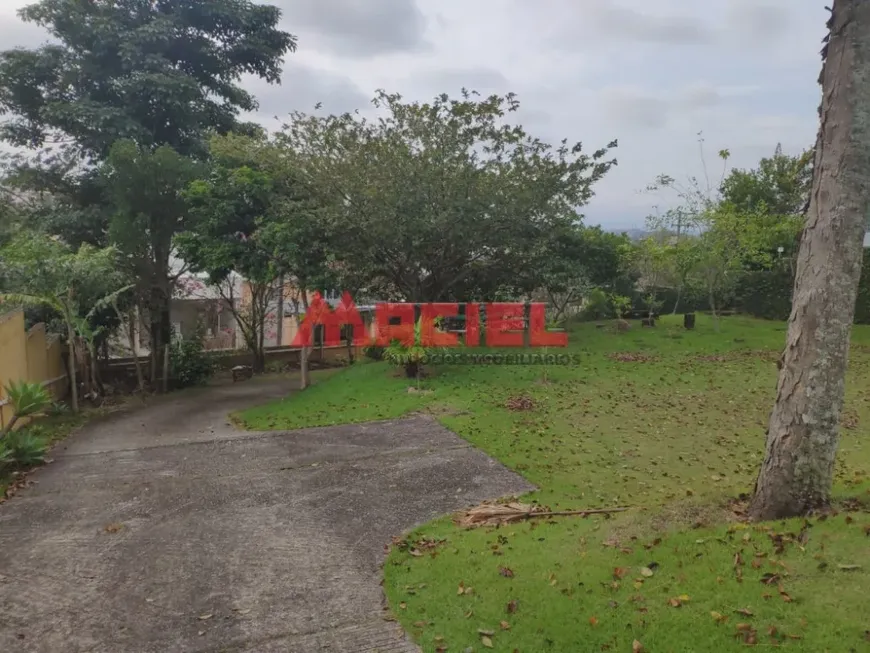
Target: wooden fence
pixel 28 356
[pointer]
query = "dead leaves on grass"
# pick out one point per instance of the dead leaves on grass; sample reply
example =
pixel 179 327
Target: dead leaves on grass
pixel 417 548
pixel 632 357
pixel 520 403
pixel 496 514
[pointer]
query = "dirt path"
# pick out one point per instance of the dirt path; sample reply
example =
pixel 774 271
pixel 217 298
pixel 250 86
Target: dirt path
pixel 226 541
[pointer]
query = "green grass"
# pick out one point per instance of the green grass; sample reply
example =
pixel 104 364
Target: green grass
pixel 667 421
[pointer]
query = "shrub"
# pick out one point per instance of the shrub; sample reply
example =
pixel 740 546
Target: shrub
pixel 23 449
pixel 411 357
pixel 276 367
pixel 27 399
pixel 189 364
pixel 598 306
pixel 57 408
pixel 374 352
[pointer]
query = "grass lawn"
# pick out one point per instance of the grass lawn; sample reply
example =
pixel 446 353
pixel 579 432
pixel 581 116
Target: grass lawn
pixel 667 421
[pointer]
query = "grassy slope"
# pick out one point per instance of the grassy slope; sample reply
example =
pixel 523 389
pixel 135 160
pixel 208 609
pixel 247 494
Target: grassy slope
pixel 675 433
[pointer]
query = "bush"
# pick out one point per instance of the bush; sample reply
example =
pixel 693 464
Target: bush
pixel 22 449
pixel 598 306
pixel 189 364
pixel 27 399
pixel 412 356
pixel 766 294
pixel 374 352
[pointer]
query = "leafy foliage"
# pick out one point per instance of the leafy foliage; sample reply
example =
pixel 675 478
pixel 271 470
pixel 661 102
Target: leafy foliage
pixel 43 271
pixel 27 399
pixel 157 73
pixel 374 352
pixel 189 364
pixel 411 356
pixel 780 185
pixel 22 449
pixel 443 200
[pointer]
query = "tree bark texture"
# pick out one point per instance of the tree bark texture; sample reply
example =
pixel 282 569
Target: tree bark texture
pixel 797 473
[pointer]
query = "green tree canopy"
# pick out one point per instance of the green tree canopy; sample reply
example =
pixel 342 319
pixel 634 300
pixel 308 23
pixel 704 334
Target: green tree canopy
pixel 780 185
pixel 442 200
pixel 153 71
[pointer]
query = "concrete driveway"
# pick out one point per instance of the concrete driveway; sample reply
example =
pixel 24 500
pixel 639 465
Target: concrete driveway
pixel 164 530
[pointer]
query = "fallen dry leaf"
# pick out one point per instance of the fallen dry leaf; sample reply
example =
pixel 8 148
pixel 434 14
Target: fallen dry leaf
pixel 205 617
pixel 718 617
pixel 486 641
pixel 114 528
pixel 636 647
pixel 593 621
pixel 512 606
pixel 620 572
pixel 674 602
pixel 745 612
pixel 506 572
pixel 504 625
pixel 646 572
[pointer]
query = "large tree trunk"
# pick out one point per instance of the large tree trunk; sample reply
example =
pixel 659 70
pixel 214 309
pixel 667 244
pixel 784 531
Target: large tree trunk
pixel 712 296
pixel 797 473
pixel 279 327
pixel 161 330
pixel 134 346
pixel 304 375
pixel 73 381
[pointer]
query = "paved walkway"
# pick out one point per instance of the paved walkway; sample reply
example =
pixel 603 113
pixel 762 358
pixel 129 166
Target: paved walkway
pixel 229 541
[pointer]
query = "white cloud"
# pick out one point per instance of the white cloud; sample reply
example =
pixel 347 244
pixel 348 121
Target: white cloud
pixel 652 73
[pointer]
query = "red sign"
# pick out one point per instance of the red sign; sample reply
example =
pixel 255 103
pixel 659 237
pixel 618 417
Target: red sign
pixel 505 324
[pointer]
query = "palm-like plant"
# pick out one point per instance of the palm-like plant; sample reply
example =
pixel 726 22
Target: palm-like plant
pixel 23 449
pixel 411 356
pixel 27 399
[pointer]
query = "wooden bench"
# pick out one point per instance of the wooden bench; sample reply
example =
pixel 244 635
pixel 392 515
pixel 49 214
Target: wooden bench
pixel 242 373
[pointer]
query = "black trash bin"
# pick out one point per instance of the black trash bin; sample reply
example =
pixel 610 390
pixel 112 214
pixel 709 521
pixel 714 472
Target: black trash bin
pixel 689 320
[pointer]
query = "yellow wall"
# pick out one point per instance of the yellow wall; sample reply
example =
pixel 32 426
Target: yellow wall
pixel 27 356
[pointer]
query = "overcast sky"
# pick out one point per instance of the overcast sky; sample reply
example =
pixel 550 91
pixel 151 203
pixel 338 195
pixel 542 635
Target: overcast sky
pixel 651 73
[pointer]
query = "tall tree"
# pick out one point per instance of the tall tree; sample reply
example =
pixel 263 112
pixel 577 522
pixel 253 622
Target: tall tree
pixel 442 200
pixel 152 73
pixel 779 185
pixel 227 206
pixel 251 215
pixel 159 72
pixel 145 190
pixel 797 473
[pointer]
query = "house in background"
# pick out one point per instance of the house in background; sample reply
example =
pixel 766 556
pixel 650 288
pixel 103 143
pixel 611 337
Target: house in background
pixel 194 304
pixel 200 305
pixel 284 313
